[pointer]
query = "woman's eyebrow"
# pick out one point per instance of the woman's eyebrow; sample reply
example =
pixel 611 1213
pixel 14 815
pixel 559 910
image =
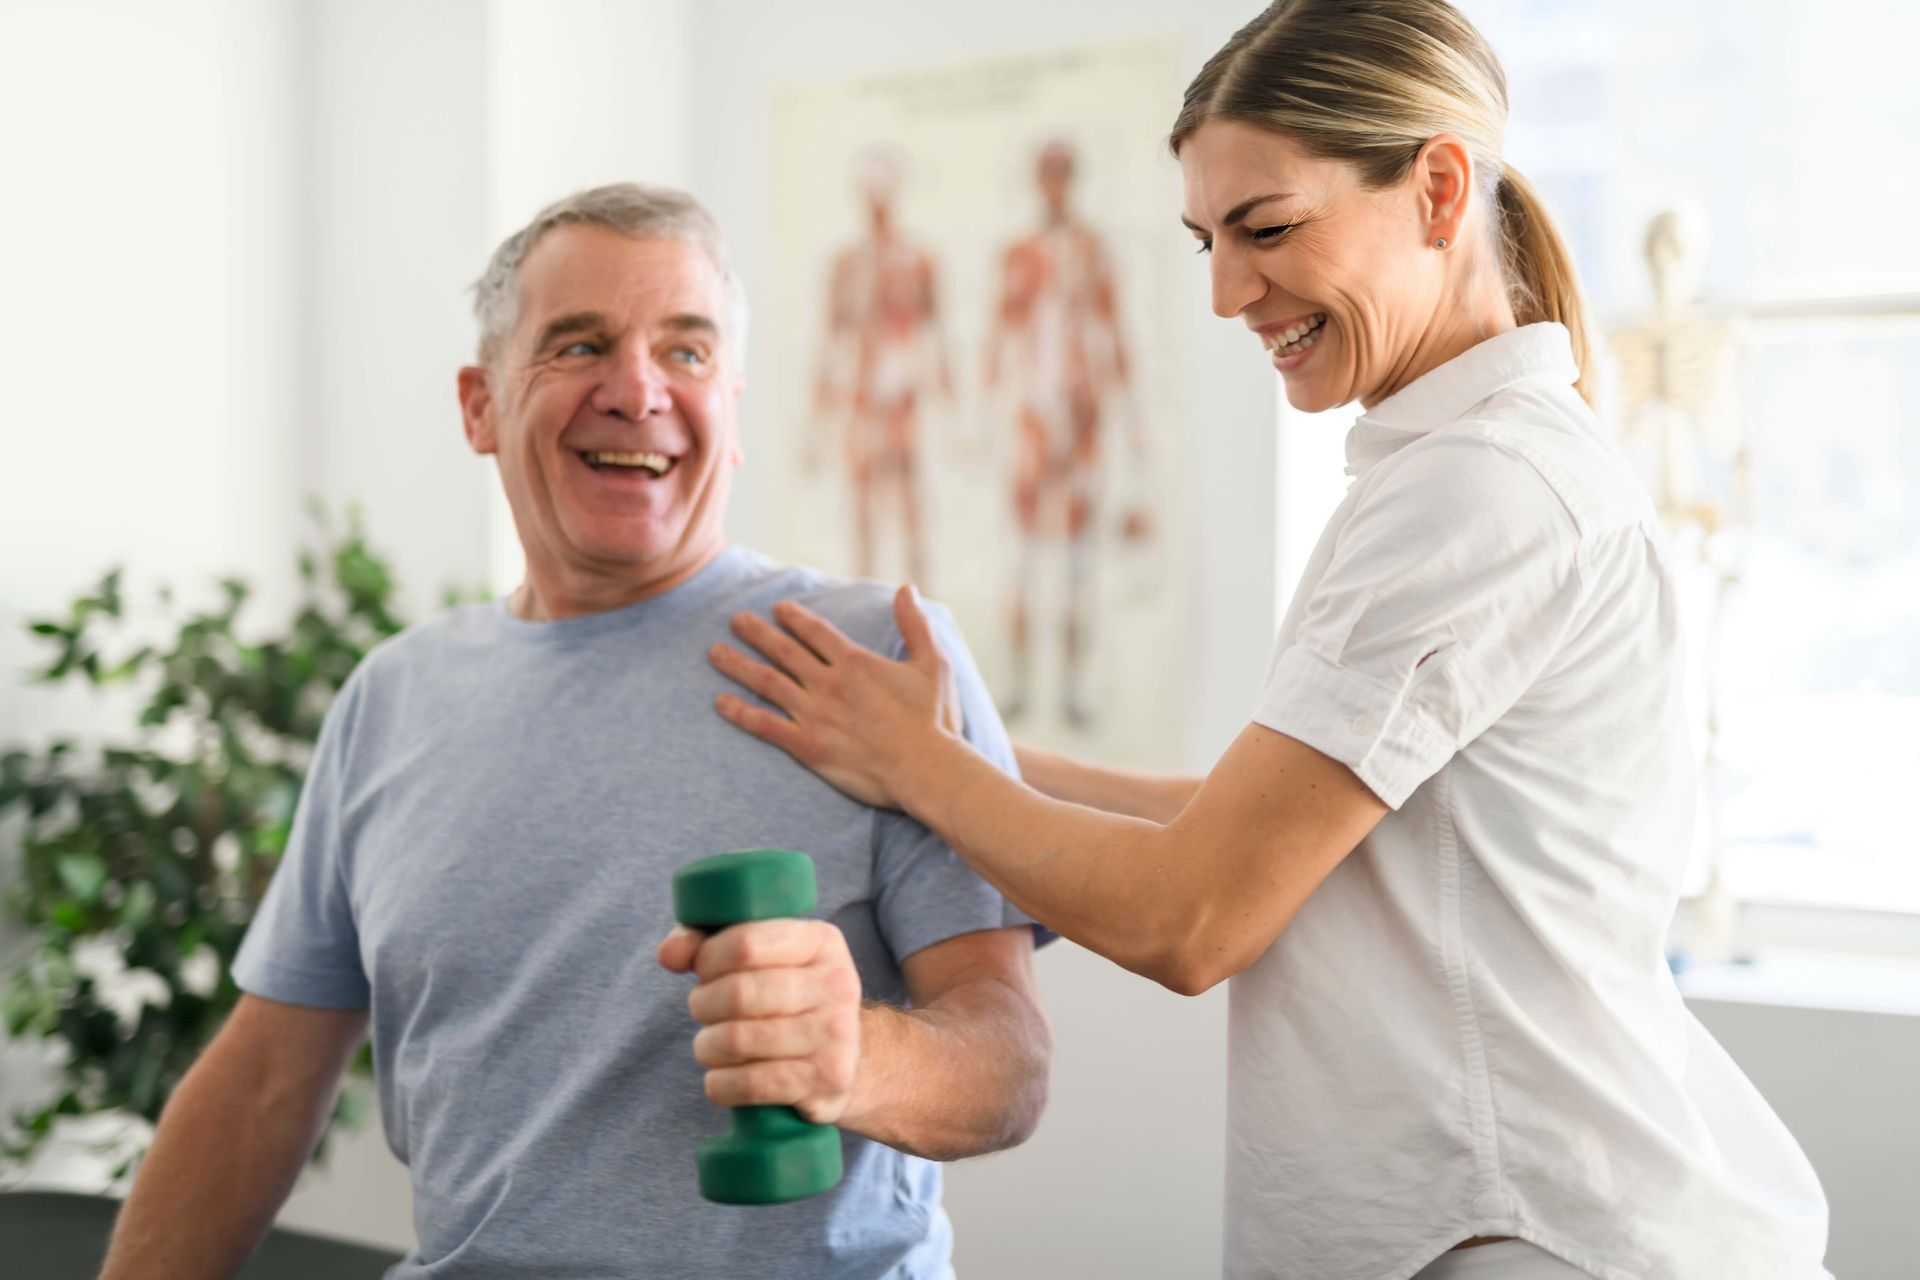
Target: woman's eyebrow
pixel 1239 212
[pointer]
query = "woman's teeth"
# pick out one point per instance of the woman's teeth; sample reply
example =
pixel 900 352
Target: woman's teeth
pixel 1294 339
pixel 658 463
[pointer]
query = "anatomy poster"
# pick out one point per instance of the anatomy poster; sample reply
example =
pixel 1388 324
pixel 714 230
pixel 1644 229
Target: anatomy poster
pixel 986 395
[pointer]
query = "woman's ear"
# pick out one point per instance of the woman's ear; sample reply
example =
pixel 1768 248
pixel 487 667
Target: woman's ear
pixel 1443 183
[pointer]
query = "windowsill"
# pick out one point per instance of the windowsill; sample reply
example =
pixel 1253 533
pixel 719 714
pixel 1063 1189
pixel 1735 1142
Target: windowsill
pixel 1881 984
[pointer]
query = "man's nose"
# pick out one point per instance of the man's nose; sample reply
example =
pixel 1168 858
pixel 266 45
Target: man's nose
pixel 1236 285
pixel 635 387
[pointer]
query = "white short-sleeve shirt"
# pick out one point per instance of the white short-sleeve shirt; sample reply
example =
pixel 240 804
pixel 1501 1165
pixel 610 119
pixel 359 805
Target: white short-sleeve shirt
pixel 1470 1028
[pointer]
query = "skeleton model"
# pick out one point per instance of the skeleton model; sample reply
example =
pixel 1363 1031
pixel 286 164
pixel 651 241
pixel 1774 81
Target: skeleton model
pixel 882 361
pixel 1056 361
pixel 1673 371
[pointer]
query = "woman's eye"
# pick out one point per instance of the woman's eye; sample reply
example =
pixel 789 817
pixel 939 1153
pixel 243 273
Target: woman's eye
pixel 1272 233
pixel 1206 246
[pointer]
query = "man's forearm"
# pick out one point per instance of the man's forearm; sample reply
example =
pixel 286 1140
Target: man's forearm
pixel 225 1156
pixel 963 1076
pixel 1133 793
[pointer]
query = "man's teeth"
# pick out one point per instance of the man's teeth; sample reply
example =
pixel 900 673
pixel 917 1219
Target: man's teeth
pixel 1296 338
pixel 658 463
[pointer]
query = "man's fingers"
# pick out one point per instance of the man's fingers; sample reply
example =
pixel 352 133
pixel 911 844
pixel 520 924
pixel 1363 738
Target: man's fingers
pixel 762 944
pixel 775 686
pixel 814 631
pixel 754 993
pixel 733 1044
pixel 677 950
pixel 760 1084
pixel 781 649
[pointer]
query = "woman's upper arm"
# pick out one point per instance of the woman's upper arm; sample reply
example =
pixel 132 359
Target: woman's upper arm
pixel 1270 823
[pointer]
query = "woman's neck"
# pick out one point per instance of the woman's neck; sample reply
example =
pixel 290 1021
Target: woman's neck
pixel 1457 326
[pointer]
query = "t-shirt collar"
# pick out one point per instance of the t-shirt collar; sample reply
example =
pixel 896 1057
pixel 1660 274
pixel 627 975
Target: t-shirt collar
pixel 1439 396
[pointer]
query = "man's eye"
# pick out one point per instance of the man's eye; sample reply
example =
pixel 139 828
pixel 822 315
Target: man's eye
pixel 582 348
pixel 688 355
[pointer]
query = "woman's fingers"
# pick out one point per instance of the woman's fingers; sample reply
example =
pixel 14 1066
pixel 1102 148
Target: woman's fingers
pixel 924 651
pixel 775 686
pixel 814 631
pixel 780 648
pixel 913 624
pixel 768 726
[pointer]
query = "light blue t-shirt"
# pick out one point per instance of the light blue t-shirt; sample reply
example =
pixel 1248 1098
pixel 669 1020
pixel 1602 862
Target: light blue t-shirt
pixel 483 856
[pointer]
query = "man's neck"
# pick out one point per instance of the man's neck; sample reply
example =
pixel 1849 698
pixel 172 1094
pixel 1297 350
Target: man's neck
pixel 555 593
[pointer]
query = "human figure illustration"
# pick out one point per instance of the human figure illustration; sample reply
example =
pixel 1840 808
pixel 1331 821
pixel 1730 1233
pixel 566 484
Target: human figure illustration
pixel 1056 347
pixel 882 361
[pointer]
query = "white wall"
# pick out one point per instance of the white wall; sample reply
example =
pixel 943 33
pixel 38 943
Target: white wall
pixel 149 337
pixel 396 180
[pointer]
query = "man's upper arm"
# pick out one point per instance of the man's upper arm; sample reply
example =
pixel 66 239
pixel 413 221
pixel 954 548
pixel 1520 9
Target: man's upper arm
pixel 303 946
pixel 925 893
pixel 291 1048
pixel 985 955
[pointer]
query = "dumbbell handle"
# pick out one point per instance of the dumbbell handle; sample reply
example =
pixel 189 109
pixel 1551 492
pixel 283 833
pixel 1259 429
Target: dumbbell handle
pixel 770 1155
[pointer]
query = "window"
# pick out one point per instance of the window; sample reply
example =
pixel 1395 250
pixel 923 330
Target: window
pixel 1790 130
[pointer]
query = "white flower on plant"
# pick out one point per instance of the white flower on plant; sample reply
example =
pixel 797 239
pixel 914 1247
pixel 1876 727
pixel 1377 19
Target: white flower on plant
pixel 99 957
pixel 200 972
pixel 132 991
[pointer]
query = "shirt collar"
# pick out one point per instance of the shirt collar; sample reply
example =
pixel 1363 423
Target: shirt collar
pixel 1439 396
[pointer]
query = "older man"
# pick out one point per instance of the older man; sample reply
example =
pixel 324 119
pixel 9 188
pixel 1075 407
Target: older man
pixel 481 860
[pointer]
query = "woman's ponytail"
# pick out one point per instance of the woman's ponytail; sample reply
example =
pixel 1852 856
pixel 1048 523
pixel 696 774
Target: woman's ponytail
pixel 1545 286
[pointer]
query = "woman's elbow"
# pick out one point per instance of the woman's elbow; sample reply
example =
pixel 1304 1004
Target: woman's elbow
pixel 1189 977
pixel 1201 960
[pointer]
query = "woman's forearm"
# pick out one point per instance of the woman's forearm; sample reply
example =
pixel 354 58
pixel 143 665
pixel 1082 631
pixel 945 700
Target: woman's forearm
pixel 1135 793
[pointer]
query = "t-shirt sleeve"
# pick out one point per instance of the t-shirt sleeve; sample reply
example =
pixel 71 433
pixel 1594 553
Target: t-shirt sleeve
pixel 1449 590
pixel 924 892
pixel 303 946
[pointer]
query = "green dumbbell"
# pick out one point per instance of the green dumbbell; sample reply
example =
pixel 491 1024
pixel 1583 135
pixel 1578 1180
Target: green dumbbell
pixel 771 1155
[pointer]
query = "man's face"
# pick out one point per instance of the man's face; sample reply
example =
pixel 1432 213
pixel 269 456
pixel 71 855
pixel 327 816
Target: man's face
pixel 611 407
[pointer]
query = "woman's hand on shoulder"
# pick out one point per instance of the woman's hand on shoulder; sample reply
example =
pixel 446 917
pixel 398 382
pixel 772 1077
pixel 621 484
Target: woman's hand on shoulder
pixel 861 721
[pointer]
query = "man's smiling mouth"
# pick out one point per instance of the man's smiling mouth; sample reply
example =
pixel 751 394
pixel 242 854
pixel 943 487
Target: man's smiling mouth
pixel 657 464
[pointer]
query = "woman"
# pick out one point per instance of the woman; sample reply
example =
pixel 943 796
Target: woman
pixel 1439 864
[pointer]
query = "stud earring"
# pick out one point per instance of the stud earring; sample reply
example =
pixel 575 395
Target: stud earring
pixel 1441 243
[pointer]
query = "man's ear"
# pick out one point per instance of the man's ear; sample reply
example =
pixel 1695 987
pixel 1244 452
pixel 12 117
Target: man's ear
pixel 476 409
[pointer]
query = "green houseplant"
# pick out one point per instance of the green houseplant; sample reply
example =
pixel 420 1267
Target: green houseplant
pixel 142 860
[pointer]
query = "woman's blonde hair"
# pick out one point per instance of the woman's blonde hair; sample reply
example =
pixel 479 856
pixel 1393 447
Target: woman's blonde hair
pixel 1368 82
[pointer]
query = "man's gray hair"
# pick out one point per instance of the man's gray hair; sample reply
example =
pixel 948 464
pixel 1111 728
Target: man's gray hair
pixel 631 208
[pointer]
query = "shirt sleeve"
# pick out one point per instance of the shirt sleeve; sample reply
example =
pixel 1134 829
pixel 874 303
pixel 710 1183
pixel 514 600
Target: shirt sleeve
pixel 1450 588
pixel 303 946
pixel 924 892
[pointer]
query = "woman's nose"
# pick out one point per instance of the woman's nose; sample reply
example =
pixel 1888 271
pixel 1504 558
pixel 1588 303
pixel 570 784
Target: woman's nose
pixel 1236 285
pixel 635 387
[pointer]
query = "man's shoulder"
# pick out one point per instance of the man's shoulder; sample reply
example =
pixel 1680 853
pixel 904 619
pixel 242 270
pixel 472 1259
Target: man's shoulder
pixel 429 643
pixel 862 608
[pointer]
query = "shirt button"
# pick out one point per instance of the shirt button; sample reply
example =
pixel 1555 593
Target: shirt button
pixel 1489 1205
pixel 1363 724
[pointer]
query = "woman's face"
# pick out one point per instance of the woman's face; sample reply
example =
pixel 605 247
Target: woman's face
pixel 1341 285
